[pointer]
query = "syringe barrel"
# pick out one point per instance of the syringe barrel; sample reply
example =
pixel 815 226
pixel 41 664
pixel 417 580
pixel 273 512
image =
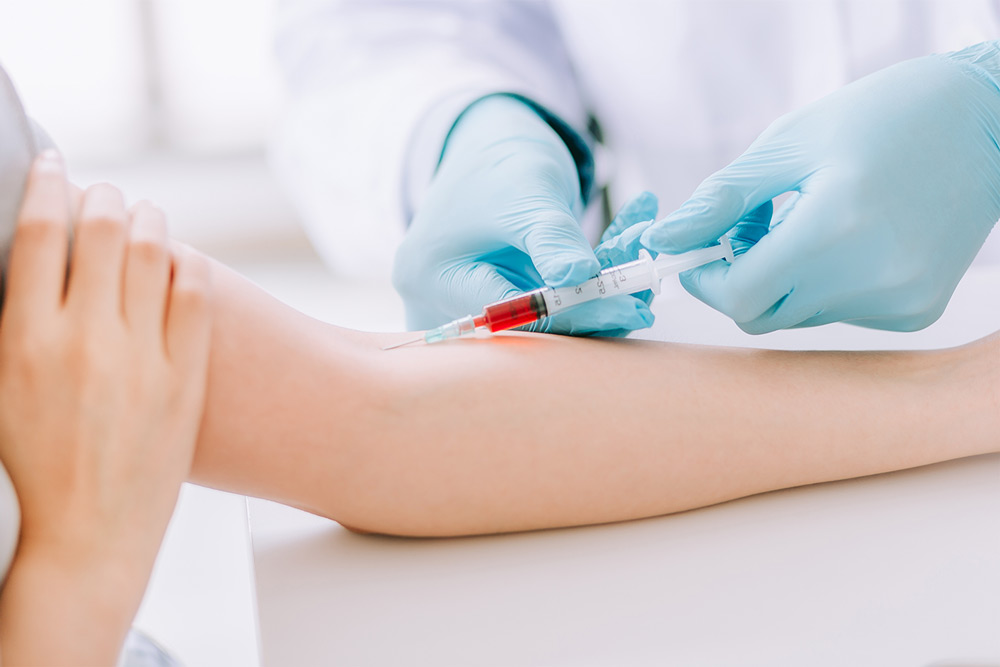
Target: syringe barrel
pixel 627 278
pixel 515 311
pixel 668 265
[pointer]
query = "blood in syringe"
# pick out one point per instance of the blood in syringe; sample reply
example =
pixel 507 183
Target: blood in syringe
pixel 510 313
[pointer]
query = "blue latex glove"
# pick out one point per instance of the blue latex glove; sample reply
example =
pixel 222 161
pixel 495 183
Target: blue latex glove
pixel 898 182
pixel 501 217
pixel 620 243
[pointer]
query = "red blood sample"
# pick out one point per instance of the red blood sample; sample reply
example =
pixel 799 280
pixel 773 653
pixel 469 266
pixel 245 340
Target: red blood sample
pixel 513 312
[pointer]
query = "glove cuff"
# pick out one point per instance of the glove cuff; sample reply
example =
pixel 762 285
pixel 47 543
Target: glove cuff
pixel 982 61
pixel 575 143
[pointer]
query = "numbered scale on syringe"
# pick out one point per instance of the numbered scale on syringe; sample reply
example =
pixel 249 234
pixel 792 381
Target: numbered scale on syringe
pixel 615 280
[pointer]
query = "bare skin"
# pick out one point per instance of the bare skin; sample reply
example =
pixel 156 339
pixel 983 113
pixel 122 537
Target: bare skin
pixel 486 436
pixel 469 437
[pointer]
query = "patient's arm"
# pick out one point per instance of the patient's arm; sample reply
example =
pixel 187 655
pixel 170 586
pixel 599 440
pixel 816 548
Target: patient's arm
pixel 522 432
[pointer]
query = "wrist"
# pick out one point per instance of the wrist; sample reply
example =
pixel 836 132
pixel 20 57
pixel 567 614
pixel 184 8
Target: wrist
pixel 117 564
pixel 990 348
pixel 79 549
pixel 974 386
pixel 66 608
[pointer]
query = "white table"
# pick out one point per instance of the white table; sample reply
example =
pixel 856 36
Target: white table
pixel 897 569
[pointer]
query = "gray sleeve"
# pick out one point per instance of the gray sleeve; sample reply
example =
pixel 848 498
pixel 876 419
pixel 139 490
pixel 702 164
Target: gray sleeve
pixel 10 522
pixel 20 141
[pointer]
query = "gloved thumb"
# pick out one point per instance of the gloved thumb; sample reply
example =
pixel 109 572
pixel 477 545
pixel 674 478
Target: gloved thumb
pixel 723 200
pixel 756 283
pixel 559 250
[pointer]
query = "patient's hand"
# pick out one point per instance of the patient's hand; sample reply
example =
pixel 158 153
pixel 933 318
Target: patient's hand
pixel 102 379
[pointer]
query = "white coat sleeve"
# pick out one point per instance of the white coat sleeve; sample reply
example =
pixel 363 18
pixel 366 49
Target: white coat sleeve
pixel 374 86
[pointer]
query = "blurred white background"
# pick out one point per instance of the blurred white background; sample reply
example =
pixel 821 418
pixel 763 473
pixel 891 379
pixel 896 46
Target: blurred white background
pixel 171 100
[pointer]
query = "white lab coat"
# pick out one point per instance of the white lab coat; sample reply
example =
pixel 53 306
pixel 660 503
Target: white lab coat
pixel 679 87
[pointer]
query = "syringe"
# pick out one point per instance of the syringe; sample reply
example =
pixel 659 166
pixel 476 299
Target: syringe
pixel 642 274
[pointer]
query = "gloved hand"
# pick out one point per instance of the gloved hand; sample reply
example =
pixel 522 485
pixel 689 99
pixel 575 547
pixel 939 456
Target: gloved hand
pixel 898 182
pixel 500 217
pixel 620 244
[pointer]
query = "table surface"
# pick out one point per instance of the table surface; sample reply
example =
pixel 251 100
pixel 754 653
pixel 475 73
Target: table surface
pixel 895 569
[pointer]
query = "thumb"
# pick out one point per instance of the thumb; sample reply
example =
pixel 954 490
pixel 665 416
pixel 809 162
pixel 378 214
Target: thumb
pixel 725 198
pixel 762 290
pixel 559 250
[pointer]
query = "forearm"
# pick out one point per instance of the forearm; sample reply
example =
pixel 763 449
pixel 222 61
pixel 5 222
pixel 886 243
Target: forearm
pixel 524 432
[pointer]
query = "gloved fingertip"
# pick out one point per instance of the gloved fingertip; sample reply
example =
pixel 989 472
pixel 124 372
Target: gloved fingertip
pixel 644 201
pixel 659 239
pixel 633 314
pixel 646 315
pixel 640 208
pixel 761 325
pixel 695 225
pixel 689 279
pixel 708 284
pixel 570 273
pixel 640 318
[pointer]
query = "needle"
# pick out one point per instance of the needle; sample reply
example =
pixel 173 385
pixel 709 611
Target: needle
pixel 404 343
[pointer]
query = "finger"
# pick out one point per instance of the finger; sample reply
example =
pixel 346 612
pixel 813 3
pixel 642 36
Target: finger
pixel 622 248
pixel 814 306
pixel 791 311
pixel 890 311
pixel 768 287
pixel 189 315
pixel 641 208
pixel 904 323
pixel 147 271
pixel 37 270
pixel 614 317
pixel 786 209
pixel 725 198
pixel 753 284
pixel 559 250
pixel 98 250
pixel 751 228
